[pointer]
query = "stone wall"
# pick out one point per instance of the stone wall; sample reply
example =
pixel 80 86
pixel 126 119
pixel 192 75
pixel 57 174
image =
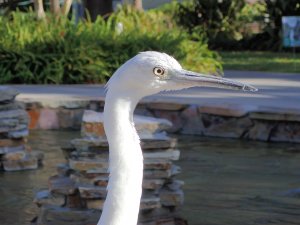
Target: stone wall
pixel 15 154
pixel 77 193
pixel 232 121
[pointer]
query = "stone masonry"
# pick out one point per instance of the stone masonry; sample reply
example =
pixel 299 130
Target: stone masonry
pixel 215 120
pixel 271 114
pixel 15 154
pixel 76 194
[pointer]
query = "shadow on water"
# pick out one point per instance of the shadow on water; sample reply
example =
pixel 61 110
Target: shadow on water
pixel 227 182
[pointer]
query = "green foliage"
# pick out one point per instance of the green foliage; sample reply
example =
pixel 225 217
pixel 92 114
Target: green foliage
pixel 271 37
pixel 252 12
pixel 227 23
pixel 58 51
pixel 219 20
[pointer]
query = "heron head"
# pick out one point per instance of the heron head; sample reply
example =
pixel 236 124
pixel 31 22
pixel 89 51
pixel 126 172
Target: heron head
pixel 152 72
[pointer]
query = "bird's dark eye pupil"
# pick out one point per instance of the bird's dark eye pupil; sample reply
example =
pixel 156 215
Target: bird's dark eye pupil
pixel 158 71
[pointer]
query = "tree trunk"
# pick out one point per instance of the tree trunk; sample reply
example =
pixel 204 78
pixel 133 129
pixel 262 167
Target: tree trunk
pixel 98 7
pixel 39 9
pixel 138 4
pixel 55 7
pixel 66 7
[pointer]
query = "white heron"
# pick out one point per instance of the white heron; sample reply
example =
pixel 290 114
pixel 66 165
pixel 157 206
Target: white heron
pixel 145 74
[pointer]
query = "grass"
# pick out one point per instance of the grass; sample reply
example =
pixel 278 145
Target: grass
pixel 261 61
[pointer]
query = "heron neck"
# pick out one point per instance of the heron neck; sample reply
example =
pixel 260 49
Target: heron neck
pixel 126 161
pixel 118 115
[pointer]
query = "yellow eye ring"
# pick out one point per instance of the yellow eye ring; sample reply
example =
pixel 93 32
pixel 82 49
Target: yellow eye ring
pixel 158 71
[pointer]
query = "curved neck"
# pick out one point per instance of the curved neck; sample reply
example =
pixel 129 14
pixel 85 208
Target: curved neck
pixel 126 161
pixel 118 116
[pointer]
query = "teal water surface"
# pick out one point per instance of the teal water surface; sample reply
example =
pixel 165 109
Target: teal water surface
pixel 227 182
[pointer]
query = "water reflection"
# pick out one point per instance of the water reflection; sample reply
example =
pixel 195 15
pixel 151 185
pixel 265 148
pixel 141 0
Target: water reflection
pixel 239 182
pixel 17 189
pixel 227 181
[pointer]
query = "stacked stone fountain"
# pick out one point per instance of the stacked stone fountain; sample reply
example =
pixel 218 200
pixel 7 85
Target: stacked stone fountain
pixel 14 152
pixel 76 194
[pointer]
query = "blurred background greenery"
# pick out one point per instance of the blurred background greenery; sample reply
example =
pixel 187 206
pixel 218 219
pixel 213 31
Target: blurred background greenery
pixel 57 48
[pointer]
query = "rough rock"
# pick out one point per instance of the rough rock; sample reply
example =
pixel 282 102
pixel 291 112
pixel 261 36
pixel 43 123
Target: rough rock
pixel 100 181
pixel 7 94
pixel 11 124
pixel 224 110
pixel 173 117
pixel 34 115
pixel 150 203
pixel 48 119
pixel 95 204
pixel 26 163
pixel 70 118
pixel 83 144
pixel 276 116
pixel 14 120
pixel 157 164
pixel 101 164
pixel 92 130
pixel 89 164
pixel 146 203
pixel 92 192
pixel 45 197
pixel 92 125
pixel 175 185
pixel 153 184
pixel 165 106
pixel 74 201
pixel 165 154
pixel 62 185
pixel 12 142
pixel 171 198
pixel 63 169
pixel 260 131
pixel 11 149
pixel 14 114
pixel 286 132
pixel 11 106
pixel 158 143
pixel 225 127
pixel 192 122
pixel 15 156
pixel 84 180
pixel 18 133
pixel 170 154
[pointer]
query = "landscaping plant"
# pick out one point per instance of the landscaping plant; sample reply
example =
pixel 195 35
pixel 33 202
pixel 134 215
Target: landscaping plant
pixel 218 20
pixel 55 50
pixel 271 37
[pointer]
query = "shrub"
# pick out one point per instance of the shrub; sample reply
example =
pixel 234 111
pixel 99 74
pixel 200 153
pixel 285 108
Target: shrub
pixel 224 22
pixel 58 51
pixel 219 20
pixel 271 37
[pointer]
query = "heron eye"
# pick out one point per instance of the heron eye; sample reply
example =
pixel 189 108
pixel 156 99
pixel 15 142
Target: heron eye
pixel 158 71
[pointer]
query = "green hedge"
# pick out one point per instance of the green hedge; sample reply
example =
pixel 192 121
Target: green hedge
pixel 227 23
pixel 58 51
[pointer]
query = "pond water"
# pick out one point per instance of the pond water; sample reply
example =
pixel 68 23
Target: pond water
pixel 227 182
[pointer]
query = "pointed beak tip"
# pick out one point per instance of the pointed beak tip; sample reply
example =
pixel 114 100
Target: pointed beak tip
pixel 250 88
